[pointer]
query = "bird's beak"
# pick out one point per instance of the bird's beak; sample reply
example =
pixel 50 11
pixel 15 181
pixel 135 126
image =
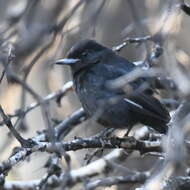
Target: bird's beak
pixel 67 61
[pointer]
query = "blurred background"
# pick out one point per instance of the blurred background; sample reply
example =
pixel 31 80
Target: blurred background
pixel 35 33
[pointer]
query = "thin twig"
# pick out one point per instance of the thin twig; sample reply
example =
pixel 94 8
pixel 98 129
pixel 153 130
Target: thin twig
pixel 9 124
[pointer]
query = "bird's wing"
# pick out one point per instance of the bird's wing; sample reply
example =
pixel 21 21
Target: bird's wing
pixel 142 104
pixel 148 110
pixel 150 103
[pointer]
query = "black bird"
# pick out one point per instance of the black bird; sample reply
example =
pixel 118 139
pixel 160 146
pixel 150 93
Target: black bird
pixel 93 66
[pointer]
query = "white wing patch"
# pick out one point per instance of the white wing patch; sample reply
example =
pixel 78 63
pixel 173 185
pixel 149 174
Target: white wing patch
pixel 131 102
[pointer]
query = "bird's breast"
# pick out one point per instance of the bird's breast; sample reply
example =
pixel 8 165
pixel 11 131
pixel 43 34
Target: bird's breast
pixel 90 89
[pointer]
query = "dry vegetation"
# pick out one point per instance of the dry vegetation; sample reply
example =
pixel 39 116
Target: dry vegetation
pixel 46 140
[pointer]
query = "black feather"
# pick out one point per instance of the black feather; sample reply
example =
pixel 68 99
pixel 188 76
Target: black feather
pixel 113 107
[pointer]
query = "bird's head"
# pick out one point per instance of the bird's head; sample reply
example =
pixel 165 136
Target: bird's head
pixel 83 54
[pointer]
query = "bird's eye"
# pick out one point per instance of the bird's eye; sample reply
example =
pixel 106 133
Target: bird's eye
pixel 84 54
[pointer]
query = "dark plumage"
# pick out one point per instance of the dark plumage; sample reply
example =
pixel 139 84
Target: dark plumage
pixel 93 65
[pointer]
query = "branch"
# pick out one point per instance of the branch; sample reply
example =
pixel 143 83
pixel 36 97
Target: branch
pixel 71 177
pixel 68 124
pixel 61 92
pixel 127 41
pixel 129 143
pixel 115 180
pixel 7 121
